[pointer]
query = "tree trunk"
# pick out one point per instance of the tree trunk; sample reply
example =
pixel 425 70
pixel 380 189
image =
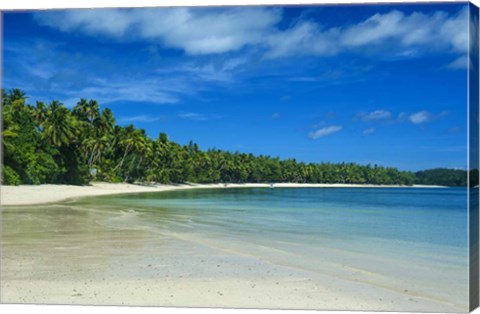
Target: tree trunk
pixel 120 164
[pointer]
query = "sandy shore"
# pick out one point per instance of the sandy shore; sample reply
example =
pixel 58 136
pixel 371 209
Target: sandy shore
pixel 74 254
pixel 298 293
pixel 49 193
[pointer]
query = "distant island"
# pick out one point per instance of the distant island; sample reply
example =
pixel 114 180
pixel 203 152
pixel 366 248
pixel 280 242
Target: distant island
pixel 51 144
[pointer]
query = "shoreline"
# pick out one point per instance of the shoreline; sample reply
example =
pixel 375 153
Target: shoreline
pixel 22 195
pixel 83 254
pixel 159 256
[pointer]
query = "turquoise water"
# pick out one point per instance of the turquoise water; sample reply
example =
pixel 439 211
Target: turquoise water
pixel 417 216
pixel 410 241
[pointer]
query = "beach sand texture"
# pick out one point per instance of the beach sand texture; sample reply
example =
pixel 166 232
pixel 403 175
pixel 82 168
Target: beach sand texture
pixel 62 254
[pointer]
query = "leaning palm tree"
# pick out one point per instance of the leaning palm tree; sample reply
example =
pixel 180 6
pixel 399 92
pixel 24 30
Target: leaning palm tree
pixel 95 148
pixel 59 125
pixel 143 147
pixel 125 138
pixel 39 113
pixel 98 139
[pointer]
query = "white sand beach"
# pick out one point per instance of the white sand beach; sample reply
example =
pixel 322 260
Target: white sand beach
pixel 73 256
pixel 50 193
pixel 68 254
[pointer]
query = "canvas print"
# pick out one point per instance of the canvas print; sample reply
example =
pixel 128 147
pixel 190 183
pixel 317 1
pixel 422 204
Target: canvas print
pixel 283 157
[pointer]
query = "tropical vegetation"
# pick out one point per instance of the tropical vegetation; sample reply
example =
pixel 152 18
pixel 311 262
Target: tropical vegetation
pixel 49 143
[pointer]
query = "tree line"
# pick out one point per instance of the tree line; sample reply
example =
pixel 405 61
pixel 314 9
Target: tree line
pixel 49 143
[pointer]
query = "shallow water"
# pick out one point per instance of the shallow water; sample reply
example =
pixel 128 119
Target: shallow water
pixel 403 240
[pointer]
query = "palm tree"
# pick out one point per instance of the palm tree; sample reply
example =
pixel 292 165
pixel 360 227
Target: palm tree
pixel 106 122
pixel 125 139
pixel 93 111
pixel 140 144
pixel 58 127
pixel 99 139
pixel 87 111
pixel 93 129
pixel 13 95
pixel 95 148
pixel 80 109
pixel 39 114
pixel 7 134
pixel 136 143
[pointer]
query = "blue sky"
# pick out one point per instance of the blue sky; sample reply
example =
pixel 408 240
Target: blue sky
pixel 368 84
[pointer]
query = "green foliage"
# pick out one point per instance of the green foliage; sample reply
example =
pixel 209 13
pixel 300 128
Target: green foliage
pixel 52 144
pixel 41 168
pixel 442 176
pixel 10 177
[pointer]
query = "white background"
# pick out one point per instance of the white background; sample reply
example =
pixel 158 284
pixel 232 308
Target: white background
pixel 45 4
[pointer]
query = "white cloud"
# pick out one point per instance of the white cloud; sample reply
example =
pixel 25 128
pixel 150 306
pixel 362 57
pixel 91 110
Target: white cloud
pixel 198 116
pixel 402 116
pixel 455 30
pixel 199 31
pixel 217 72
pixel 147 90
pixel 461 63
pixel 233 64
pixel 373 30
pixel 207 72
pixel 41 71
pixel 368 131
pixel 305 38
pixel 276 115
pixel 374 115
pixel 417 29
pixel 442 114
pixel 112 22
pixel 45 69
pixel 420 117
pixel 324 131
pixel 394 32
pixel 140 118
pixel 196 31
pixel 454 130
pixel 205 31
pixel 115 91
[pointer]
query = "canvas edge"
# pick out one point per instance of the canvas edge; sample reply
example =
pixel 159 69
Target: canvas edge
pixel 1 138
pixel 473 156
pixel 473 120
